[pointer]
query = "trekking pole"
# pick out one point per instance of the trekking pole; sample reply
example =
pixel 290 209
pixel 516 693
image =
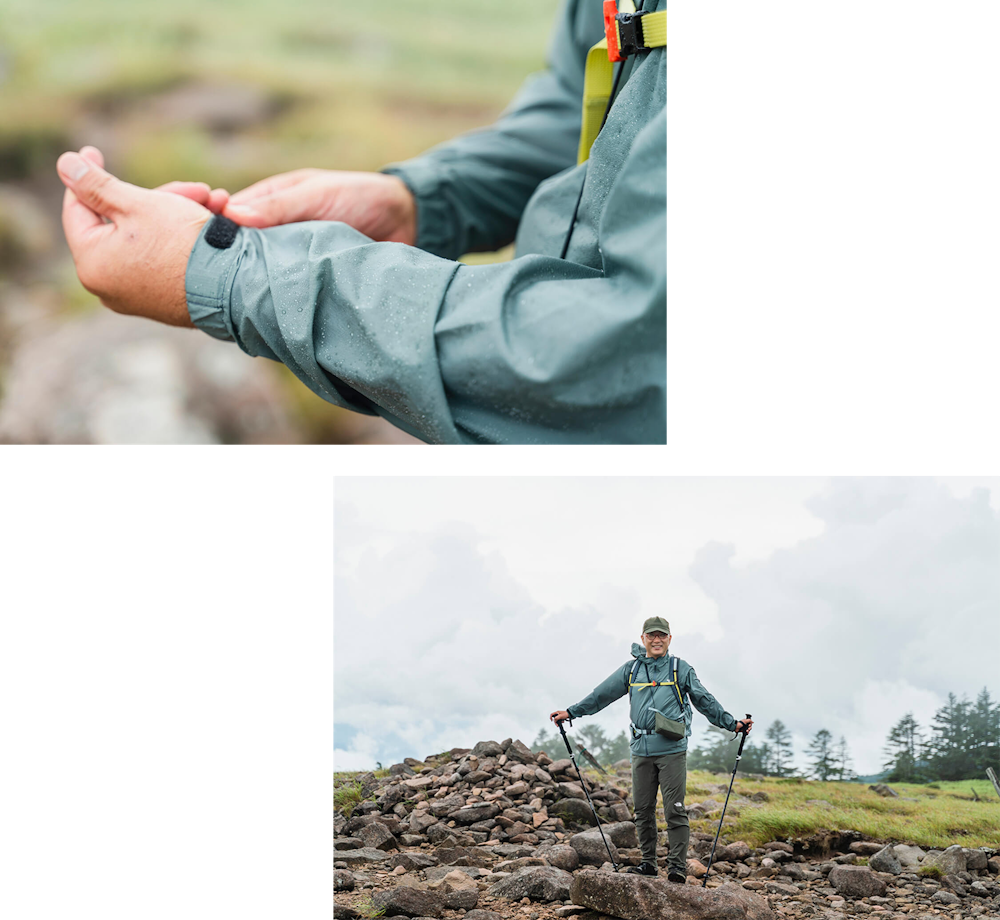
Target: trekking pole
pixel 736 766
pixel 587 791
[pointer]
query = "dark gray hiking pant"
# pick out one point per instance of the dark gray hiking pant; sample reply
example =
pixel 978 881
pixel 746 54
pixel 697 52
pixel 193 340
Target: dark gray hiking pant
pixel 668 773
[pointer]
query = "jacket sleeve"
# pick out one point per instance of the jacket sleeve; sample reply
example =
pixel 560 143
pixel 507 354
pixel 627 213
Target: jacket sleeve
pixel 707 704
pixel 536 350
pixel 614 688
pixel 471 191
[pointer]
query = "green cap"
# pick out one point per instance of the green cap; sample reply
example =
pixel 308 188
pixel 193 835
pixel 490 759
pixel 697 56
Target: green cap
pixel 656 624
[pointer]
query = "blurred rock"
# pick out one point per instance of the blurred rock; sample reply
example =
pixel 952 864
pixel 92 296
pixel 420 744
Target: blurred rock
pixel 109 379
pixel 26 231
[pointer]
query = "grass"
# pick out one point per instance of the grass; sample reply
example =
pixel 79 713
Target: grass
pixel 348 791
pixel 938 818
pixel 361 87
pixel 366 908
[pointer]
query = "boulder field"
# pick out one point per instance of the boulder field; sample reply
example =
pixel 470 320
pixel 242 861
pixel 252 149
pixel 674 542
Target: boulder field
pixel 497 832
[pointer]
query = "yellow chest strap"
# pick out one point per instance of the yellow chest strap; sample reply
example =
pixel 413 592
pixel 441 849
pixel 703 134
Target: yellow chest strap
pixel 659 683
pixel 624 34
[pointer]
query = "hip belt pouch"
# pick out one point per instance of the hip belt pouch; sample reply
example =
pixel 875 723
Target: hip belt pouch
pixel 668 728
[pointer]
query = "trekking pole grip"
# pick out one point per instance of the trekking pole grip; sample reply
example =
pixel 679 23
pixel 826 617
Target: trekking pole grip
pixel 745 732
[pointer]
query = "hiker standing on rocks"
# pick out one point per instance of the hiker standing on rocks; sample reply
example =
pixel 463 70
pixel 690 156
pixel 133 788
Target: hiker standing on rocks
pixel 661 688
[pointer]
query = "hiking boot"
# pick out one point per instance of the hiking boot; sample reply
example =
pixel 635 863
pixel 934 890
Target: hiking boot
pixel 643 869
pixel 675 875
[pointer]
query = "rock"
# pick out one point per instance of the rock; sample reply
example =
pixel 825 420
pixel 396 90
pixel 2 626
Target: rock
pixel 347 843
pixel 632 897
pixel 908 856
pixel 377 835
pixel 856 882
pixel 473 813
pixel 463 899
pixel 593 849
pixel 883 790
pixel 487 749
pixel 343 880
pixel 572 811
pixel 562 856
pixel 520 752
pixel 946 897
pixel 622 834
pixel 342 911
pixel 560 766
pixel 975 860
pixel 885 861
pixel 540 883
pixel 865 847
pixel 993 865
pixel 950 862
pixel 571 791
pixel 482 915
pixel 420 821
pixel 410 902
pixel 955 884
pixel 697 868
pixel 412 861
pixel 734 852
pixel 358 857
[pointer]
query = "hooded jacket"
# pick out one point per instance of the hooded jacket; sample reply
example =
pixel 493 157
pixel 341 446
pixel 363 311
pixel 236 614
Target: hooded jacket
pixel 645 700
pixel 536 350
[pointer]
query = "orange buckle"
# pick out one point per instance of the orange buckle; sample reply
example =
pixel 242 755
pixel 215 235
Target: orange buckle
pixel 623 32
pixel 611 30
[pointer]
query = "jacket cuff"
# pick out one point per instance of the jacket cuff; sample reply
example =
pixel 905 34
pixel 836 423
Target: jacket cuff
pixel 208 283
pixel 435 224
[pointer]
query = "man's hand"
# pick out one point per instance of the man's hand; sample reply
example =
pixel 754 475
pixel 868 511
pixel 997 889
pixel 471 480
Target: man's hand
pixel 380 206
pixel 744 725
pixel 135 262
pixel 560 715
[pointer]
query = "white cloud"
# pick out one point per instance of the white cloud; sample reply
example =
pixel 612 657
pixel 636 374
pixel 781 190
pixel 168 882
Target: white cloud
pixel 469 609
pixel 894 605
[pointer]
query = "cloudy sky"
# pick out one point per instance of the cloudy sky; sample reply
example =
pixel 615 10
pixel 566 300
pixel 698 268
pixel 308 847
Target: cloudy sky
pixel 468 609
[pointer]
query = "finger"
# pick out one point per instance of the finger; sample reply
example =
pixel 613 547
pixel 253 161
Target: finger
pixel 97 189
pixel 93 154
pixel 217 200
pixel 288 206
pixel 79 222
pixel 271 185
pixel 196 191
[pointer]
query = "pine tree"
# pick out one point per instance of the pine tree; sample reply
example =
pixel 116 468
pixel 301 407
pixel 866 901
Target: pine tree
pixel 903 750
pixel 756 758
pixel 844 768
pixel 822 765
pixel 781 749
pixel 592 738
pixel 950 746
pixel 984 732
pixel 717 756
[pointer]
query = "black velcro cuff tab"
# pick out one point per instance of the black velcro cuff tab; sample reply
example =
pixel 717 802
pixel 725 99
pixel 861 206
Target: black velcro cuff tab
pixel 221 232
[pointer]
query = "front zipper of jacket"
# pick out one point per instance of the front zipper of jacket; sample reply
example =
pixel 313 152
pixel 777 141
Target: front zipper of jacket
pixel 658 670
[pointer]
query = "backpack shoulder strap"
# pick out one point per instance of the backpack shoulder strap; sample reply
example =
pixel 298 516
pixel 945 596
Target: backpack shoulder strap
pixel 677 686
pixel 631 679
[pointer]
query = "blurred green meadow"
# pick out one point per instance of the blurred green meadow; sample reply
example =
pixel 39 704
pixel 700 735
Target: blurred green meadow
pixel 335 84
pixel 229 93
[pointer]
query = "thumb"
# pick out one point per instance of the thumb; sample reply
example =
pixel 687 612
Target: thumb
pixel 95 188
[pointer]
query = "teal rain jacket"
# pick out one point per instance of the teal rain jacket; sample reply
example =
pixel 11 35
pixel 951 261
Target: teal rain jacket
pixel 645 700
pixel 535 350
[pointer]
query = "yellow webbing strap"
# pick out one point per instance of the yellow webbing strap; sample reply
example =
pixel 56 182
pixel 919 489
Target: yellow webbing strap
pixel 663 683
pixel 597 79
